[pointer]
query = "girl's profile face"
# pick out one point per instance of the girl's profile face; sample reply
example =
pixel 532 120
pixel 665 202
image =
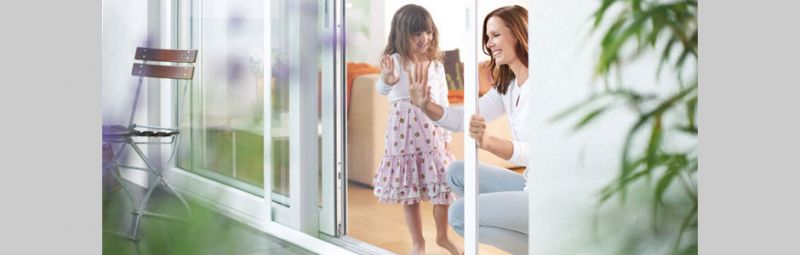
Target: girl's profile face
pixel 502 42
pixel 420 41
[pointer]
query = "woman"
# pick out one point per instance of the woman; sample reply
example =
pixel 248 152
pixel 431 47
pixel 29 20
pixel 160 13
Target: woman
pixel 503 199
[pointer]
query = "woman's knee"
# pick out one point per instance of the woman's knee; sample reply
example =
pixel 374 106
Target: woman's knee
pixel 455 174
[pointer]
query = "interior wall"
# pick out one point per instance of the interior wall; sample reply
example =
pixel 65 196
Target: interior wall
pixel 569 168
pixel 125 27
pixel 364 30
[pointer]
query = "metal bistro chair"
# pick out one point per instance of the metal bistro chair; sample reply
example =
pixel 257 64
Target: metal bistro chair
pixel 135 135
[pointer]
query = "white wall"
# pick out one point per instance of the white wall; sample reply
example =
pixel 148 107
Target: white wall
pixel 568 169
pixel 124 28
pixel 365 32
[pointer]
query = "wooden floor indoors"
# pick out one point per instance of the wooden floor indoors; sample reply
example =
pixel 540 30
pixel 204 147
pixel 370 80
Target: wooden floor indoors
pixel 383 225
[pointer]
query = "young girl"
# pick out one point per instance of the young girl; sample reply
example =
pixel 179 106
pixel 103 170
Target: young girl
pixel 415 157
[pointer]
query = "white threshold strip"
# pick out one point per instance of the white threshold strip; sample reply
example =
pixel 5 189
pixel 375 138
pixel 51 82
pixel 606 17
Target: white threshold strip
pixel 356 245
pixel 239 205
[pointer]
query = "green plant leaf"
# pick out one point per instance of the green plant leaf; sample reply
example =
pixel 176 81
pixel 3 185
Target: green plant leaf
pixel 601 12
pixel 691 249
pixel 666 54
pixel 662 186
pixel 618 185
pixel 578 106
pixel 691 109
pixel 670 30
pixel 627 164
pixel 589 117
pixel 689 220
pixel 658 27
pixel 654 143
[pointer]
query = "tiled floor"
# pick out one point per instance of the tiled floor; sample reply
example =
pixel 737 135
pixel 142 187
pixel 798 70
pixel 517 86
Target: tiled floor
pixel 206 233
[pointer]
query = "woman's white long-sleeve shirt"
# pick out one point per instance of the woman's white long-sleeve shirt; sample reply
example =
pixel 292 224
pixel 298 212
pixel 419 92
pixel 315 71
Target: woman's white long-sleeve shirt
pixel 493 105
pixel 436 79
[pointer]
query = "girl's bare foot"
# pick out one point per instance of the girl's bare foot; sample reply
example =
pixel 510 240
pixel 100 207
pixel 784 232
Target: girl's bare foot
pixel 448 245
pixel 418 248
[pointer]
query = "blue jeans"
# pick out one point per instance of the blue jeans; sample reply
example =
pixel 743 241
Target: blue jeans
pixel 502 206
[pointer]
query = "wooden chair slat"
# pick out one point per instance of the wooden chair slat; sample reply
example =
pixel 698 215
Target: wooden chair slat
pixel 158 71
pixel 166 55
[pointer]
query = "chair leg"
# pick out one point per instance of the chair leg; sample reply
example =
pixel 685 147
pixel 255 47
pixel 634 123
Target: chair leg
pixel 141 209
pixel 139 212
pixel 178 195
pixel 117 176
pixel 124 184
pixel 172 154
pixel 121 235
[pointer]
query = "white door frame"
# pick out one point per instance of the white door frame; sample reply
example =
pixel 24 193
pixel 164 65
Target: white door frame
pixel 331 220
pixel 304 60
pixel 473 37
pixel 531 10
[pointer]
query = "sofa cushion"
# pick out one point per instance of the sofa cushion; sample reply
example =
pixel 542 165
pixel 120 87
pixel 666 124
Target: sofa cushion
pixel 354 70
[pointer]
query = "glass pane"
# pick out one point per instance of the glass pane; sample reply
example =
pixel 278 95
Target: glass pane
pixel 280 97
pixel 222 125
pixel 282 19
pixel 224 122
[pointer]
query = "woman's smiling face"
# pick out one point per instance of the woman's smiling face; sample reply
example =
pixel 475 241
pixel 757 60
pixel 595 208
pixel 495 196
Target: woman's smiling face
pixel 501 43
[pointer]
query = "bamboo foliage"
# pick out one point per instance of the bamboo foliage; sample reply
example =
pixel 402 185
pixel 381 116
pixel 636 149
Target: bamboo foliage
pixel 628 29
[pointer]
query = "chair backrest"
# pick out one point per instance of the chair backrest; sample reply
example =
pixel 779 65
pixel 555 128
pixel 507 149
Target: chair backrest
pixel 184 70
pixel 163 71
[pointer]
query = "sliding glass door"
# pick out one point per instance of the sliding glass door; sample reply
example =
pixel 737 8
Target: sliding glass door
pixel 223 128
pixel 262 123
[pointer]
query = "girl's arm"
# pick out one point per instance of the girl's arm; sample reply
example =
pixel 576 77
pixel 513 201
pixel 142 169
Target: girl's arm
pixel 450 118
pixel 490 106
pixel 420 92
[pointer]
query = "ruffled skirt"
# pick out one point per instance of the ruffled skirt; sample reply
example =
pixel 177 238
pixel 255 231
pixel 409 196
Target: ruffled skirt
pixel 415 159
